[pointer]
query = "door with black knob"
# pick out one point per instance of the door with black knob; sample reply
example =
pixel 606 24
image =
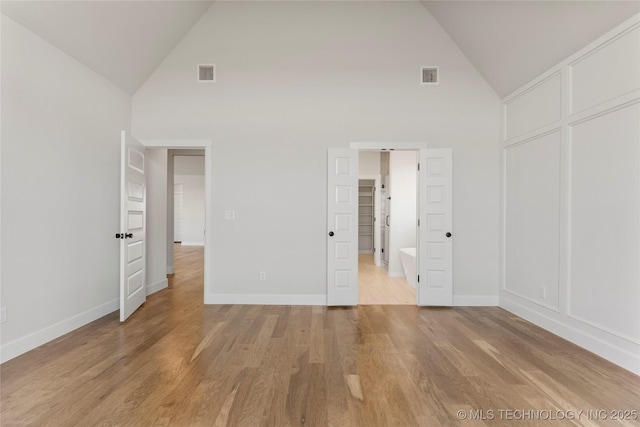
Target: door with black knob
pixel 342 223
pixel 132 226
pixel 435 242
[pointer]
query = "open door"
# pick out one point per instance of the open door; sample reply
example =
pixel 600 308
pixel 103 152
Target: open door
pixel 435 231
pixel 342 222
pixel 132 226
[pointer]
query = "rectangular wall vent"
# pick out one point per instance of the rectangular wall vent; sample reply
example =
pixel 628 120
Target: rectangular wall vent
pixel 207 73
pixel 429 75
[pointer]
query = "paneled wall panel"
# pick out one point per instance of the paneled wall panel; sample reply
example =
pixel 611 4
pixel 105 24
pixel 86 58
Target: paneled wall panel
pixel 604 287
pixel 536 107
pixel 608 71
pixel 532 219
pixel 571 198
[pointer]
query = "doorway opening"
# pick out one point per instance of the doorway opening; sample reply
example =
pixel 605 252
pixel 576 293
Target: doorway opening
pixel 386 226
pixel 186 147
pixel 433 216
pixel 186 170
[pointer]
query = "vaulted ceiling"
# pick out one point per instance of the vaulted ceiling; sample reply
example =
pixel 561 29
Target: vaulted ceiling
pixel 124 41
pixel 509 42
pixel 512 42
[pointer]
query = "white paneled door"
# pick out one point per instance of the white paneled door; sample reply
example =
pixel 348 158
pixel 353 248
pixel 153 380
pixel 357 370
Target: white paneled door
pixel 342 232
pixel 132 226
pixel 435 231
pixel 178 204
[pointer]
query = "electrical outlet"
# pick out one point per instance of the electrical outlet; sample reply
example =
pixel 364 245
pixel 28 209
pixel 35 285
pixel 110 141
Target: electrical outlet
pixel 263 275
pixel 543 291
pixel 229 215
pixel 3 314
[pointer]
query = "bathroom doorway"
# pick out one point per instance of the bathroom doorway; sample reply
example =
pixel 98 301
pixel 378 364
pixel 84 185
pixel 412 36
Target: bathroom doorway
pixel 381 278
pixel 433 217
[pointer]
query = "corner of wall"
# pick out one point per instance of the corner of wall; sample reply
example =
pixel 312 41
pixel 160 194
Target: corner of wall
pixel 37 338
pixel 569 137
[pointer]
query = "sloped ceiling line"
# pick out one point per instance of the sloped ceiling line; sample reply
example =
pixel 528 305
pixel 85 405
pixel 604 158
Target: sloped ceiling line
pixel 124 41
pixel 509 42
pixel 512 42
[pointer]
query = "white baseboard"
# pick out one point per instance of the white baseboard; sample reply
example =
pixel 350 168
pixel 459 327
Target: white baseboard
pixel 625 358
pixel 158 286
pixel 475 300
pixel 36 339
pixel 192 243
pixel 253 299
pixel 171 269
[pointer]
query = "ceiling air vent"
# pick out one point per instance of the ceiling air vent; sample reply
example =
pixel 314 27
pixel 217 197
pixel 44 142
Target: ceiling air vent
pixel 207 73
pixel 429 75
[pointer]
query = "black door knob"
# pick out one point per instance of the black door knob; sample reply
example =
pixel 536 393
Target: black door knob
pixel 448 234
pixel 128 235
pixel 331 233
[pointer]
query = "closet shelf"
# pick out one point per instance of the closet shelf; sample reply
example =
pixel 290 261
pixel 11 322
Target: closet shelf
pixel 365 216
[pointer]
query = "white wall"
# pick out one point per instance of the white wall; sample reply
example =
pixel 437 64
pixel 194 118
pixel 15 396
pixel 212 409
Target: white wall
pixel 189 172
pixel 369 162
pixel 61 126
pixel 170 213
pixel 192 215
pixel 156 231
pixel 286 90
pixel 192 209
pixel 189 165
pixel 178 190
pixel 572 198
pixel 403 170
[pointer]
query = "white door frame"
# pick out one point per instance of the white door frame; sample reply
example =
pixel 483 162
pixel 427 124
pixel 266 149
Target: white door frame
pixel 207 144
pixel 377 260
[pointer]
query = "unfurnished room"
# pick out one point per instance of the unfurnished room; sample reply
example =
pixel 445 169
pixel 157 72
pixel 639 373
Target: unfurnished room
pixel 319 213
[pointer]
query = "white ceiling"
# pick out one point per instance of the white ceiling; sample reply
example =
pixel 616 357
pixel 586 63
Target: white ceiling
pixel 124 41
pixel 512 42
pixel 509 42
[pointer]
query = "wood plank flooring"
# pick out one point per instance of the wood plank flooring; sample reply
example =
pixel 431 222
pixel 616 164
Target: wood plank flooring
pixel 179 363
pixel 377 288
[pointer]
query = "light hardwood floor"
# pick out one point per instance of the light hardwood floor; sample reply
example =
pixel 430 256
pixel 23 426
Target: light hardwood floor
pixel 179 363
pixel 377 288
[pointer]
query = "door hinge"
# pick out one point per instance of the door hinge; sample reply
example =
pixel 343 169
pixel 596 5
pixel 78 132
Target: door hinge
pixel 418 222
pixel 418 166
pixel 418 278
